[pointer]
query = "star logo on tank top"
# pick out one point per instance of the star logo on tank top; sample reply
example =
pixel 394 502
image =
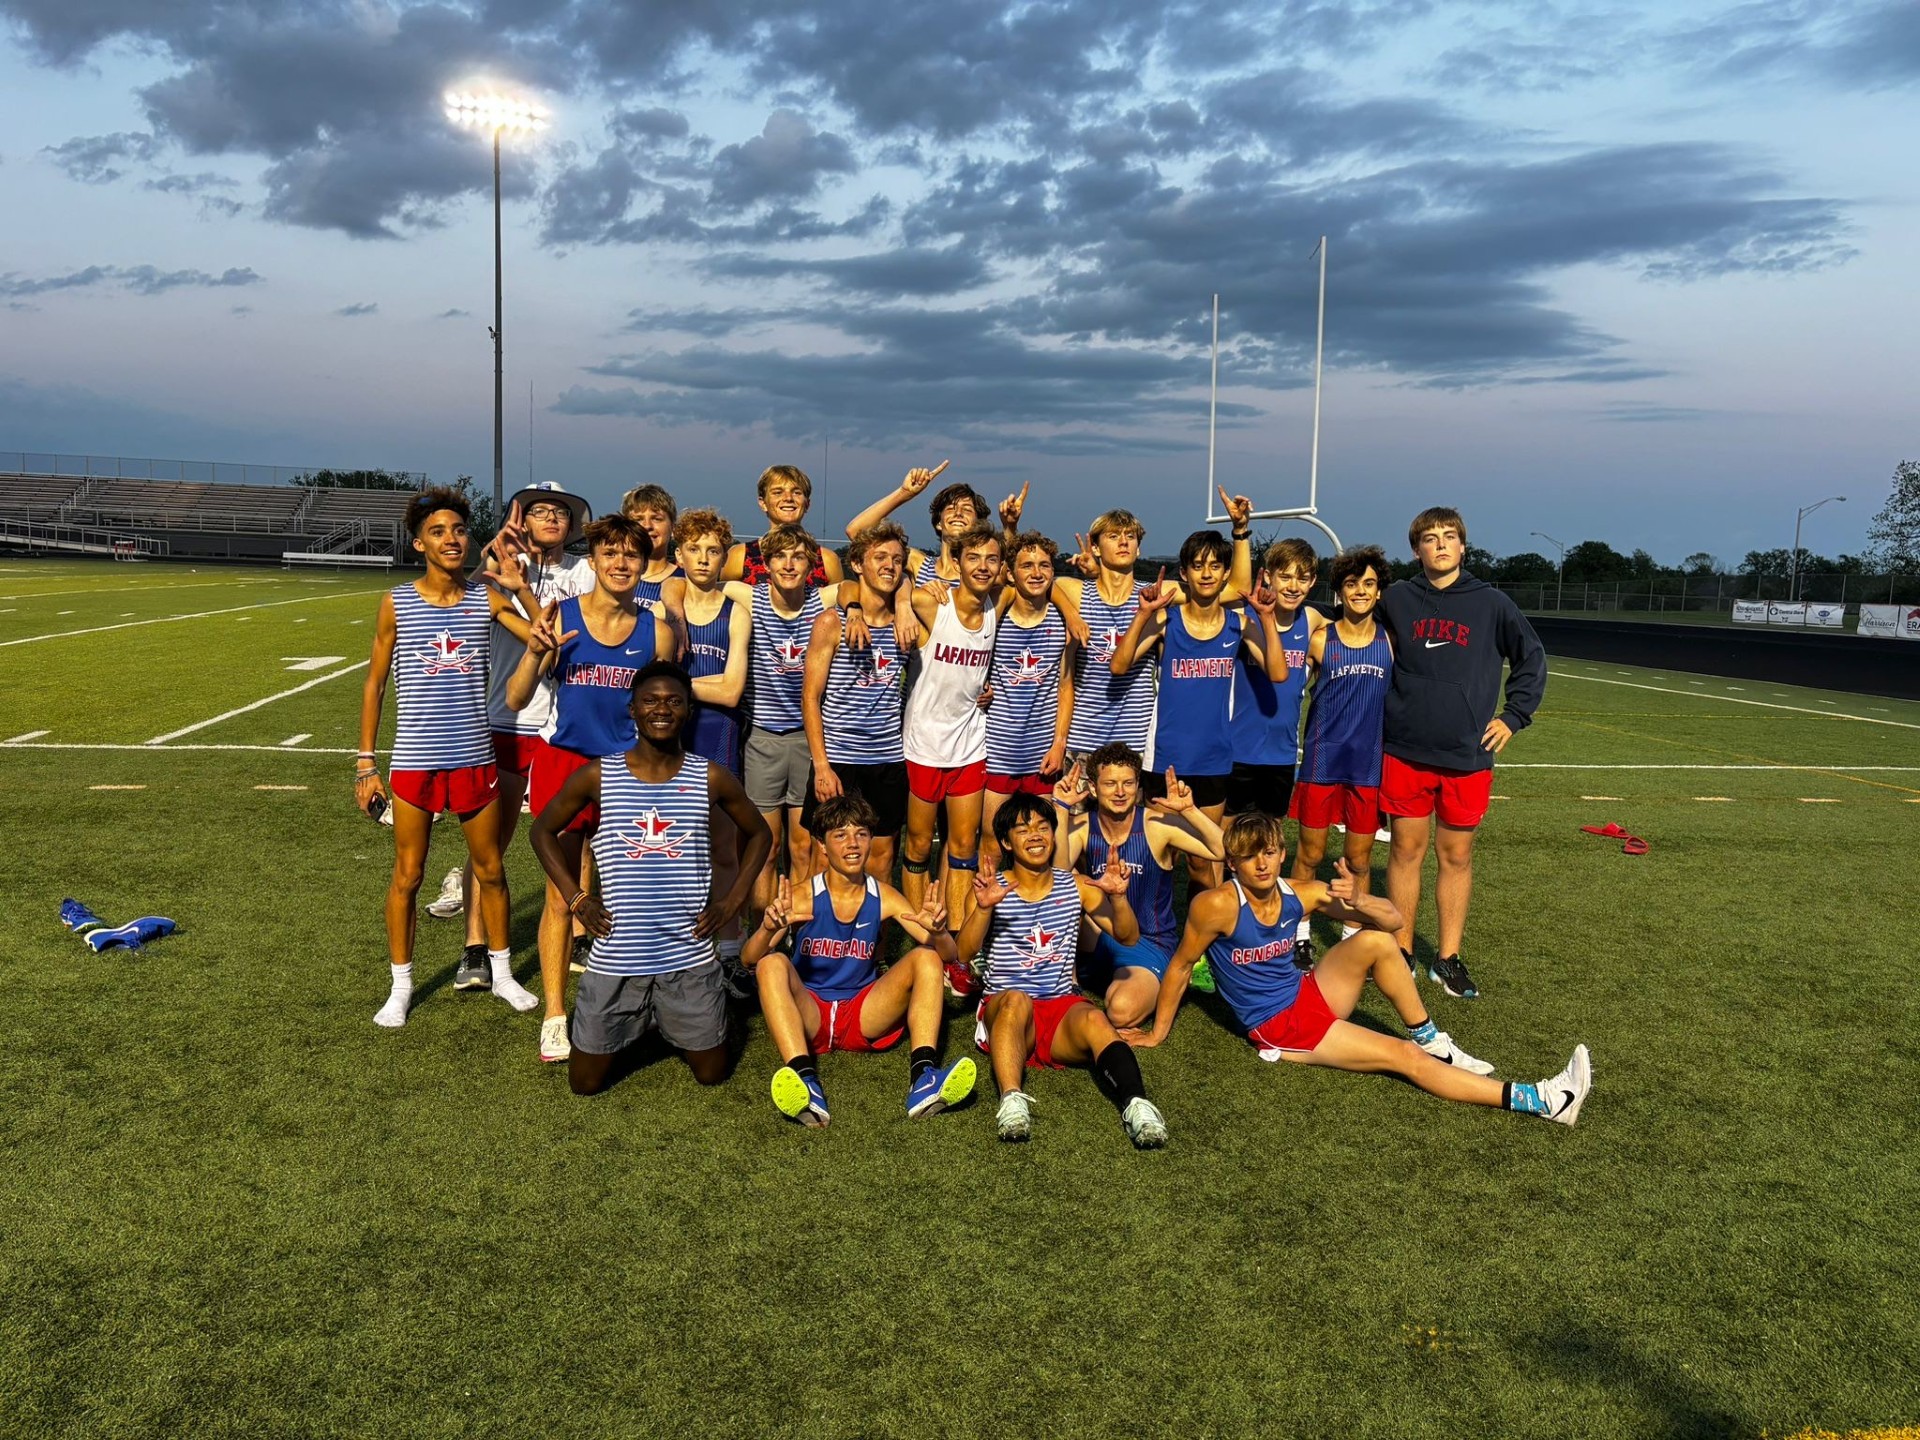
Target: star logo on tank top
pixel 443 654
pixel 879 670
pixel 789 655
pixel 655 839
pixel 1026 668
pixel 1105 642
pixel 1038 946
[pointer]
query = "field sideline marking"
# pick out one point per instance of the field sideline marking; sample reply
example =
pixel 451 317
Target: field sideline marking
pixel 136 589
pixel 255 705
pixel 195 615
pixel 1816 769
pixel 152 749
pixel 30 735
pixel 1734 700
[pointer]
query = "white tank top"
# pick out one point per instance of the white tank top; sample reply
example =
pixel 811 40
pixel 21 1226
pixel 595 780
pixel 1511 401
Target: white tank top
pixel 945 725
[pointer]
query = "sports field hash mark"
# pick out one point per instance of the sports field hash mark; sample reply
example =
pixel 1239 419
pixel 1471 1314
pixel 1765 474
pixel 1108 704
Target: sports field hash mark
pixel 1615 798
pixel 1715 799
pixel 116 787
pixel 1818 800
pixel 280 787
pixel 30 735
pixel 311 662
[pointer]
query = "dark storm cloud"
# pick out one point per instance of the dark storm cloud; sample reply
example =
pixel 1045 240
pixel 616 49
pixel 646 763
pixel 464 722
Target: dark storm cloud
pixel 135 279
pixel 786 161
pixel 98 159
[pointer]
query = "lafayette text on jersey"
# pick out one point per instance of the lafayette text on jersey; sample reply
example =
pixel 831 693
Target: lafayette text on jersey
pixel 440 655
pixel 1196 696
pixel 945 725
pixel 1342 741
pixel 715 729
pixel 593 685
pixel 1149 887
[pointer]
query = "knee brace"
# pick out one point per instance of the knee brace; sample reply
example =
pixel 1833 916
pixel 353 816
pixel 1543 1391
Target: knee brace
pixel 916 867
pixel 954 862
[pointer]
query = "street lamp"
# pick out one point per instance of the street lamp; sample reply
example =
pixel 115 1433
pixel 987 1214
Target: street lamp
pixel 1793 560
pixel 1560 591
pixel 496 113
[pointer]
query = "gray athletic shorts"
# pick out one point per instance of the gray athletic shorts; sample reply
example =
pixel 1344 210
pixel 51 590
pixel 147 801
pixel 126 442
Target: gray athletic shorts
pixel 777 768
pixel 688 1007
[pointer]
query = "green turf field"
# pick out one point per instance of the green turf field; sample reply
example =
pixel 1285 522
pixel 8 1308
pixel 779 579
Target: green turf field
pixel 232 1206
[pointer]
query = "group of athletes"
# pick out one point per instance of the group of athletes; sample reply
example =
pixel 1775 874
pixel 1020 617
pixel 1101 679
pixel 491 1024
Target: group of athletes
pixel 730 746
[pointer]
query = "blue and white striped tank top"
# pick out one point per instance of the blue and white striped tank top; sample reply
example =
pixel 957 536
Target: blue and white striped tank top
pixel 1196 696
pixel 593 685
pixel 1266 716
pixel 1031 945
pixel 1252 964
pixel 837 959
pixel 656 869
pixel 715 729
pixel 862 706
pixel 1346 716
pixel 1026 693
pixel 777 668
pixel 440 680
pixel 1108 706
pixel 1149 887
pixel 929 571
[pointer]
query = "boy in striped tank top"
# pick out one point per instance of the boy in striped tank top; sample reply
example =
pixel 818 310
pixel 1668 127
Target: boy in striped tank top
pixel 1340 753
pixel 432 637
pixel 653 964
pixel 777 763
pixel 853 699
pixel 1026 920
pixel 826 991
pixel 1032 685
pixel 1247 928
pixel 784 494
pixel 955 510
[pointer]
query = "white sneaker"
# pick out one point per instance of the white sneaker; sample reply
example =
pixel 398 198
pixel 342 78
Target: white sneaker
pixel 1383 835
pixel 1014 1120
pixel 1146 1127
pixel 452 899
pixel 553 1039
pixel 1443 1049
pixel 515 994
pixel 393 1014
pixel 1566 1092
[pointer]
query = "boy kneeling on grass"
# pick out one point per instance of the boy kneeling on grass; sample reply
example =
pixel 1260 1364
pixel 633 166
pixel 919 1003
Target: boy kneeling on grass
pixel 1248 929
pixel 826 991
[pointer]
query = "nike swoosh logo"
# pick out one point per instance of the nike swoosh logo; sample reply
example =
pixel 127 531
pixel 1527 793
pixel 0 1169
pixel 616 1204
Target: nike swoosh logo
pixel 1430 644
pixel 636 652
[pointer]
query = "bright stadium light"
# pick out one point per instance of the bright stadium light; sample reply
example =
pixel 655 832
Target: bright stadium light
pixel 497 114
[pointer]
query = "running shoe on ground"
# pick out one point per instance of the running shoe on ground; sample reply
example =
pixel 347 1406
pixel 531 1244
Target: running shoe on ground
pixel 962 983
pixel 741 986
pixel 799 1097
pixel 1450 973
pixel 1202 976
pixel 76 916
pixel 452 899
pixel 938 1090
pixel 1303 953
pixel 582 949
pixel 1014 1120
pixel 1442 1048
pixel 473 972
pixel 1146 1127
pixel 1566 1092
pixel 554 1044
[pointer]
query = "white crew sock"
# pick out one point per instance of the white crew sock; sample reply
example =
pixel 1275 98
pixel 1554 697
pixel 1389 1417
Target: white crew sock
pixel 393 1014
pixel 1347 932
pixel 505 986
pixel 1304 930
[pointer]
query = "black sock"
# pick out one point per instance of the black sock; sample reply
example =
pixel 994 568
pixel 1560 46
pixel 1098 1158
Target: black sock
pixel 1118 1071
pixel 803 1066
pixel 920 1060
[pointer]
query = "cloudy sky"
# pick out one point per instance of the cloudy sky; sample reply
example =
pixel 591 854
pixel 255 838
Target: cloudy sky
pixel 1642 274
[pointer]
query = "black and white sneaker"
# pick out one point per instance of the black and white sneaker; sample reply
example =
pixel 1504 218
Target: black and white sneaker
pixel 1303 953
pixel 741 986
pixel 582 948
pixel 1450 973
pixel 1566 1092
pixel 473 972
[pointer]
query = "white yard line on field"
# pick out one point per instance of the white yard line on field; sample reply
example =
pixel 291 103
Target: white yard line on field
pixel 164 619
pixel 123 588
pixel 243 709
pixel 152 749
pixel 293 740
pixel 30 735
pixel 1815 769
pixel 1736 700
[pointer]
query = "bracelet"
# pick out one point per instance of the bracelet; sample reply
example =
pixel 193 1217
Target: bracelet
pixel 1243 534
pixel 363 754
pixel 852 605
pixel 573 905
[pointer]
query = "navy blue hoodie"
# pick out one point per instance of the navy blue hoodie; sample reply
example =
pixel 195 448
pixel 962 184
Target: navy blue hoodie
pixel 1449 648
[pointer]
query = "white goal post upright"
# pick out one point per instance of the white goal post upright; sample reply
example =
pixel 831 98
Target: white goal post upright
pixel 1310 512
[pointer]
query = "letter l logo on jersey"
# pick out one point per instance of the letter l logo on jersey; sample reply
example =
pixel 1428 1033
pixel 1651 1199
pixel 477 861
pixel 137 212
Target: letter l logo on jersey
pixel 653 839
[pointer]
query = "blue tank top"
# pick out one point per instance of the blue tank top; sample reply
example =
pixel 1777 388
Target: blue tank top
pixel 650 593
pixel 655 863
pixel 1108 706
pixel 1149 887
pixel 1192 730
pixel 1346 714
pixel 838 959
pixel 1266 715
pixel 1032 945
pixel 715 731
pixel 1026 694
pixel 593 685
pixel 864 700
pixel 440 680
pixel 1252 963
pixel 777 662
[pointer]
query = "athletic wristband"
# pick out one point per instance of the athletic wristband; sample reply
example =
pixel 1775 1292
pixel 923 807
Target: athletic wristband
pixel 1243 534
pixel 852 605
pixel 573 905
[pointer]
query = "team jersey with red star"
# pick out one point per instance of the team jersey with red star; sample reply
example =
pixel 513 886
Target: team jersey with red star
pixel 1107 706
pixel 440 680
pixel 655 863
pixel 861 708
pixel 1026 693
pixel 777 662
pixel 1031 944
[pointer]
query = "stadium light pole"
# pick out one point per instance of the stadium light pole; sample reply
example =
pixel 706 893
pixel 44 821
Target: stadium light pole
pixel 1793 559
pixel 1560 585
pixel 497 114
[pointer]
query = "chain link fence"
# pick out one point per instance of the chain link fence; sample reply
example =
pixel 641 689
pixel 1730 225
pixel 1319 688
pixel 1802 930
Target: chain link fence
pixel 1707 595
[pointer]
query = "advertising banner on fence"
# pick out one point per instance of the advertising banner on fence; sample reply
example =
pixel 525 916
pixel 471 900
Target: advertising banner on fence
pixel 1910 622
pixel 1879 620
pixel 1830 616
pixel 1749 612
pixel 1779 613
